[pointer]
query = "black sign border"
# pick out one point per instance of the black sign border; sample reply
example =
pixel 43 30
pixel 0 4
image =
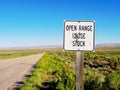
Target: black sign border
pixel 79 22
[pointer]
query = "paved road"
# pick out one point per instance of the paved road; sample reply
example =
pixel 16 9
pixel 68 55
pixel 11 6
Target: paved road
pixel 13 69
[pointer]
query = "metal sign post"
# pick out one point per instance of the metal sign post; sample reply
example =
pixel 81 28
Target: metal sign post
pixel 79 71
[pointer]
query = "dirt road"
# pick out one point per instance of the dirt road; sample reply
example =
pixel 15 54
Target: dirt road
pixel 13 69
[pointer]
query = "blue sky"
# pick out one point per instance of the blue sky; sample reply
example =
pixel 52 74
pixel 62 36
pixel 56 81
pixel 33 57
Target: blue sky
pixel 41 22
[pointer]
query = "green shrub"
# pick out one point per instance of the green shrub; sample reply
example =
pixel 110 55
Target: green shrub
pixel 93 81
pixel 112 81
pixel 53 72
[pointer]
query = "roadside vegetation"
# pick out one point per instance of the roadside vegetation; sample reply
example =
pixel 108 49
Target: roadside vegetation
pixel 8 54
pixel 56 71
pixel 52 73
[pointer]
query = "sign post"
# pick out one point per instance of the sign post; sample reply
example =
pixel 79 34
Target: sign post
pixel 79 36
pixel 79 71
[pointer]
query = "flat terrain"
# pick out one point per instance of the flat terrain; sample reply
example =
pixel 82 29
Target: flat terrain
pixel 13 69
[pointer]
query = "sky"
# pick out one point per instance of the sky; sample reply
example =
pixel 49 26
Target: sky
pixel 41 22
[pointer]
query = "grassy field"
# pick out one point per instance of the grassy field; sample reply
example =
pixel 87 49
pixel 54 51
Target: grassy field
pixel 101 70
pixel 7 54
pixel 56 71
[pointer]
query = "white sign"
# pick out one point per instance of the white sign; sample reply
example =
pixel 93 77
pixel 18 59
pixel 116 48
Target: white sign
pixel 79 35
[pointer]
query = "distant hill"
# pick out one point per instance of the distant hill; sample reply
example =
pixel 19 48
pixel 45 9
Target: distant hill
pixel 98 46
pixel 110 46
pixel 33 47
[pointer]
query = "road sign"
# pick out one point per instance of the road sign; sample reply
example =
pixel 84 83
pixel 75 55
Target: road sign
pixel 79 35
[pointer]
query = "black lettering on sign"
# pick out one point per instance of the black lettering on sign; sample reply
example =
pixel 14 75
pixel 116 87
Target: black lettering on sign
pixel 71 27
pixel 85 28
pixel 78 35
pixel 78 43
